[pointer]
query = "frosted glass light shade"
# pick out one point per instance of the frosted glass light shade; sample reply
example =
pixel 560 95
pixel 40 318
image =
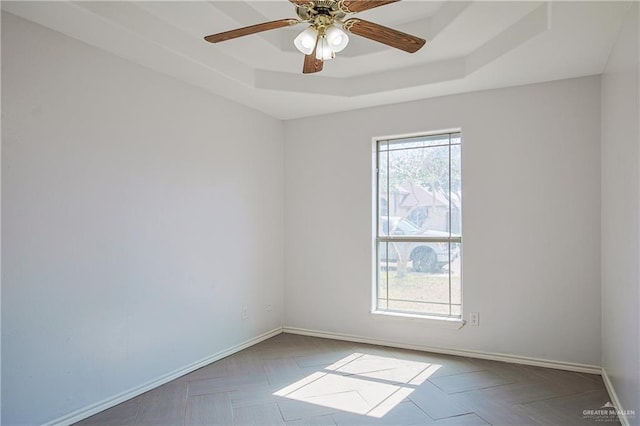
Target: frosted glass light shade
pixel 306 40
pixel 337 39
pixel 323 50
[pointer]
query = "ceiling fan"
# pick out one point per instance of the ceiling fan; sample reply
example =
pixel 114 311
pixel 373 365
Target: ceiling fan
pixel 326 34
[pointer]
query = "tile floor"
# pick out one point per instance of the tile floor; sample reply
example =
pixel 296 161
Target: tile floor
pixel 300 380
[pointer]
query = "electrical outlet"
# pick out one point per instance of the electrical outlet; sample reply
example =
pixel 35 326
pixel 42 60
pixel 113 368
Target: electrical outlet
pixel 474 318
pixel 245 313
pixel 269 307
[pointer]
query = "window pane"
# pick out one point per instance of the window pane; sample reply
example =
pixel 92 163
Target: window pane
pixel 419 195
pixel 433 188
pixel 419 257
pixel 383 276
pixel 454 271
pixel 456 138
pixel 383 189
pixel 456 191
pixel 417 280
pixel 417 142
pixel 416 192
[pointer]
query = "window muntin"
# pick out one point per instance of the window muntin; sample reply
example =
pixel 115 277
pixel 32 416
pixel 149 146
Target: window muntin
pixel 419 225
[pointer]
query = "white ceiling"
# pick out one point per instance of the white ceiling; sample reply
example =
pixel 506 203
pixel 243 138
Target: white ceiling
pixel 471 45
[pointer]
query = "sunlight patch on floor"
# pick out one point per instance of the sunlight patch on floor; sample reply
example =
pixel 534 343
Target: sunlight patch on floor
pixel 370 385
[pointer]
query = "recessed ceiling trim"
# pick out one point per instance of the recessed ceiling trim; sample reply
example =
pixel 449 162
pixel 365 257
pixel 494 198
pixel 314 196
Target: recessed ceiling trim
pixel 472 46
pixel 158 34
pixel 246 15
pixel 364 85
pixel 76 21
pixel 447 13
pixel 535 23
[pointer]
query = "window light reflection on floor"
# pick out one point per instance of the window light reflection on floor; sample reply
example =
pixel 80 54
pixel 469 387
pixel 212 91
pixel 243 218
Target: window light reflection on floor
pixel 359 383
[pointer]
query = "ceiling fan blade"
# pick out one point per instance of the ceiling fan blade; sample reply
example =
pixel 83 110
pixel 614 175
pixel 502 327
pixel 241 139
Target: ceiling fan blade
pixel 252 29
pixel 301 2
pixel 384 35
pixel 353 6
pixel 311 64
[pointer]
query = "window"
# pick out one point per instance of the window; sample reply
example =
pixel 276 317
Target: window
pixel 418 236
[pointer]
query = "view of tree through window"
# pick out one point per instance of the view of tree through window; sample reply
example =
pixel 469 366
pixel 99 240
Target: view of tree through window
pixel 419 227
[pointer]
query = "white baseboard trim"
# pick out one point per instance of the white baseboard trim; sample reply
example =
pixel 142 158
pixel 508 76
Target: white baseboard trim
pixel 92 409
pixel 614 398
pixel 515 359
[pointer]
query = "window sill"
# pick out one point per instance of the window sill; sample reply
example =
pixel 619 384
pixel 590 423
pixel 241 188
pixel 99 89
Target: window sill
pixel 453 323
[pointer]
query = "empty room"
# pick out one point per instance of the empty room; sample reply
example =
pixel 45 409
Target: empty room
pixel 320 212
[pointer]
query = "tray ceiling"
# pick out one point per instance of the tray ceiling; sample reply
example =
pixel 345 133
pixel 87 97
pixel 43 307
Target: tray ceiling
pixel 470 46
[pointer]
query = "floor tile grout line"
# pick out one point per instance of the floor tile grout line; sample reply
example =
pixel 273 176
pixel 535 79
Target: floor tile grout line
pixel 421 371
pixel 474 389
pixel 186 400
pixel 359 355
pixel 135 419
pixel 435 384
pixel 569 395
pixel 466 372
pixel 306 384
pixel 479 389
pixel 281 414
pixel 420 408
pixel 483 419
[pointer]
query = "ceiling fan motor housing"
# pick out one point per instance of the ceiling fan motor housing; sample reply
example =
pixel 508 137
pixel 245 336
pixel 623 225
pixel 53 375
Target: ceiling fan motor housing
pixel 328 8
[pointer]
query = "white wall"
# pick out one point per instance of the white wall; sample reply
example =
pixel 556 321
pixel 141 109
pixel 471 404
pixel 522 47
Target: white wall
pixel 139 215
pixel 531 220
pixel 621 215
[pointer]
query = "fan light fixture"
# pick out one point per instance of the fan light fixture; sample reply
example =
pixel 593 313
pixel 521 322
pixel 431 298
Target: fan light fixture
pixel 337 39
pixel 328 23
pixel 323 50
pixel 306 40
pixel 329 42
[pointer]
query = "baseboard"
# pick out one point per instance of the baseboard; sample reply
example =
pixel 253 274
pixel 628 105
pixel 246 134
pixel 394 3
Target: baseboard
pixel 624 421
pixel 90 410
pixel 515 359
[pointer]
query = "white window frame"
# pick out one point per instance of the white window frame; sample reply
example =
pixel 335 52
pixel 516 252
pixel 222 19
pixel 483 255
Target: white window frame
pixel 447 321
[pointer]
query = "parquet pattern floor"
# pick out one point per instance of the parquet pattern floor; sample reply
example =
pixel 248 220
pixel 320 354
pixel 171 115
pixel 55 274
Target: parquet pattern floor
pixel 300 380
